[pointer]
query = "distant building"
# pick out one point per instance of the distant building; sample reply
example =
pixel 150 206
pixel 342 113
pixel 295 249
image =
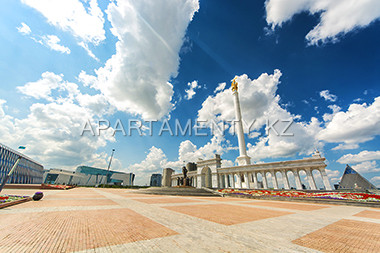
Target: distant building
pixel 155 180
pixel 191 166
pixel 351 179
pixel 88 176
pixel 28 171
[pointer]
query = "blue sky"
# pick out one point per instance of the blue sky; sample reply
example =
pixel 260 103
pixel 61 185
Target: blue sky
pixel 65 63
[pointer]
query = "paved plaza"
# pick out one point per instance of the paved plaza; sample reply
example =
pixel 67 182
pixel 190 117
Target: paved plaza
pixel 120 220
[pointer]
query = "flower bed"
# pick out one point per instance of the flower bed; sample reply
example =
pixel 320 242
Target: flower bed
pixel 56 186
pixel 9 200
pixel 352 196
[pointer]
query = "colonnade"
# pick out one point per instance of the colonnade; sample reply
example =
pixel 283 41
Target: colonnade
pixel 209 173
pixel 249 179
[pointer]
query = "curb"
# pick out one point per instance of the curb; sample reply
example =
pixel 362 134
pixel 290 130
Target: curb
pixel 4 205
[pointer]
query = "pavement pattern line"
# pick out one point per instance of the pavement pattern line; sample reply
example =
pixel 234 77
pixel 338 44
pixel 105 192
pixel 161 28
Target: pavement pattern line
pixel 344 236
pixel 103 228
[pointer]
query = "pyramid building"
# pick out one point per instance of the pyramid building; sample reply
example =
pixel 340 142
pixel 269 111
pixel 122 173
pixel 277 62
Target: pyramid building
pixel 351 179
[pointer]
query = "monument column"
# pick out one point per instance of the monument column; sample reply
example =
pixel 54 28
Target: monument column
pixel 226 181
pixel 243 159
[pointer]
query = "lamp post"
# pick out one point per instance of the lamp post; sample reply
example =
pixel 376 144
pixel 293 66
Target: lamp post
pixel 12 170
pixel 109 165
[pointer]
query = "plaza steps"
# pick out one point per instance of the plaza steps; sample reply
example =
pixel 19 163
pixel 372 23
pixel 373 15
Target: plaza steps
pixel 178 191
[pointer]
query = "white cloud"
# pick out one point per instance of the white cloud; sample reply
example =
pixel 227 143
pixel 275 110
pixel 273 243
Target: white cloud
pixel 366 167
pixel 220 87
pixel 51 131
pixel 361 157
pixel 135 79
pixel 343 146
pixel 24 29
pixel 329 116
pixel 191 91
pixel 2 113
pixel 376 181
pixel 360 123
pixel 327 96
pixel 87 80
pixel 85 23
pixel 89 52
pixel 336 17
pixel 332 173
pixel 52 42
pixel 154 162
pixel 43 87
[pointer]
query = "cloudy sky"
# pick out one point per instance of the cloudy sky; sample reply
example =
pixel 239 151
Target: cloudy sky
pixel 79 78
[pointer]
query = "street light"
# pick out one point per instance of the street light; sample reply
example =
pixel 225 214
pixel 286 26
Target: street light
pixel 109 165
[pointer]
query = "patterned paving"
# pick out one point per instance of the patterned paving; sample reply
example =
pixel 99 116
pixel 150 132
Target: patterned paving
pixel 369 214
pixel 80 230
pixel 288 205
pixel 344 236
pixel 118 220
pixel 227 214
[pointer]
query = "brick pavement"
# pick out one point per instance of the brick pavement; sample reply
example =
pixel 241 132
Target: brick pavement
pixel 119 220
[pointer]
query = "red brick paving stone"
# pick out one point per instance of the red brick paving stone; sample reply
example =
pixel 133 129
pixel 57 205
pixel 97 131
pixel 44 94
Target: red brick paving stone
pixel 369 214
pixel 227 214
pixel 73 231
pixel 75 196
pixel 344 236
pixel 166 200
pixel 287 205
pixel 66 202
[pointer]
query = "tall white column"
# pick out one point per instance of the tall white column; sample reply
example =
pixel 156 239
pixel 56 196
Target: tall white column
pixel 325 179
pixel 285 180
pixel 246 179
pixel 233 181
pixel 274 179
pixel 225 180
pixel 297 179
pixel 310 179
pixel 255 185
pixel 265 184
pixel 243 159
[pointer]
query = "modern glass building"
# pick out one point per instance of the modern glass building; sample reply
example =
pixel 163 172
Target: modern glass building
pixel 88 176
pixel 28 171
pixel 155 180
